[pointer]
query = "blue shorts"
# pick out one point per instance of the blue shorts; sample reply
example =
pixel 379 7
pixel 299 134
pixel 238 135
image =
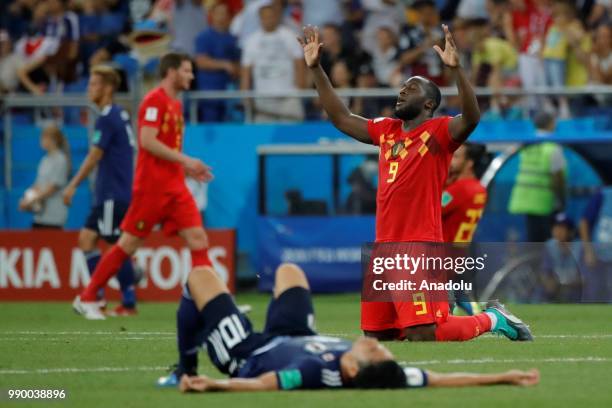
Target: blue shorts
pixel 105 220
pixel 229 336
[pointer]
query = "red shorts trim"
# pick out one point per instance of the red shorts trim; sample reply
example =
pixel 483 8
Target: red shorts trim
pixel 176 211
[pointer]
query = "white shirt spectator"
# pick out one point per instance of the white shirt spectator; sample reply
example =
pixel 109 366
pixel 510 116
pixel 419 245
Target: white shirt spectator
pixel 247 22
pixel 321 12
pixel 271 56
pixel 470 9
pixel 380 14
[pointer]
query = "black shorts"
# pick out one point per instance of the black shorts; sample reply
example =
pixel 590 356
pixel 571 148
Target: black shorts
pixel 228 333
pixel 105 219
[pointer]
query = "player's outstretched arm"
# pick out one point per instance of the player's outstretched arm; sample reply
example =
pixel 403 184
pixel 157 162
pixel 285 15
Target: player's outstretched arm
pixel 462 125
pixel 91 161
pixel 353 125
pixel 265 382
pixel 512 377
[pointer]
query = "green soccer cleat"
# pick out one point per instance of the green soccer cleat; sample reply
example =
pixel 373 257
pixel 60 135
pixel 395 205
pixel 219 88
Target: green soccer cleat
pixel 508 324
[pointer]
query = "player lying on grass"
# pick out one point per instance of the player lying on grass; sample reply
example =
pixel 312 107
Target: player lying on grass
pixel 289 354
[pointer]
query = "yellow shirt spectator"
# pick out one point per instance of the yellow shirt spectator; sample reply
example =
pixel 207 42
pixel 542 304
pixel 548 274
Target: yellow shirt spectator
pixel 556 44
pixel 496 52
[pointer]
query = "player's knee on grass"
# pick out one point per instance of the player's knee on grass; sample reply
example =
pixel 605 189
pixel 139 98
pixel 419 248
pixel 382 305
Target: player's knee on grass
pixel 419 333
pixel 204 285
pixel 289 276
pixel 383 335
pixel 87 240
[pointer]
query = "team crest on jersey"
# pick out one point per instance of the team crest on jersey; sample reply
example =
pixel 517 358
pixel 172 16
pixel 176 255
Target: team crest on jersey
pixel 140 225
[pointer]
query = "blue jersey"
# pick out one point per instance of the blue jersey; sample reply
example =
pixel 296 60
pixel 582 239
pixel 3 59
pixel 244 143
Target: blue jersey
pixel 299 362
pixel 114 135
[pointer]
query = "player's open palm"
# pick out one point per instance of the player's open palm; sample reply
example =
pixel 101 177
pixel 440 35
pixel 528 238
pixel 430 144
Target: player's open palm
pixel 450 55
pixel 312 46
pixel 524 378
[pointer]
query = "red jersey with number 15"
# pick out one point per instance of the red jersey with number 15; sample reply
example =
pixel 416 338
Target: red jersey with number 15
pixel 462 204
pixel 412 170
pixel 160 111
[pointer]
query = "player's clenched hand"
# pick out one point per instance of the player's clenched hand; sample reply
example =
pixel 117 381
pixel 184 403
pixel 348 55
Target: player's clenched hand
pixel 523 378
pixel 312 46
pixel 67 195
pixel 197 170
pixel 199 383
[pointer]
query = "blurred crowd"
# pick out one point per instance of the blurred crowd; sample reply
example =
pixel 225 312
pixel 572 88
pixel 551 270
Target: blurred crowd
pixel 47 46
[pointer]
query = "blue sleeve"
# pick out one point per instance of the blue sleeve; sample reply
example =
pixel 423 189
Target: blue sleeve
pixel 103 133
pixel 591 212
pixel 306 375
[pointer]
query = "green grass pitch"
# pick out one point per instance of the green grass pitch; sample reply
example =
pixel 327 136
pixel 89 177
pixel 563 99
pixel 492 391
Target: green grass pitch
pixel 115 363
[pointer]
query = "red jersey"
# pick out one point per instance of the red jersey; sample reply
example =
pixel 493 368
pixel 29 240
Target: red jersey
pixel 462 206
pixel 160 111
pixel 412 171
pixel 531 25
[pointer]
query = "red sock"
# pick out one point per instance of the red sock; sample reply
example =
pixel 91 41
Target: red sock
pixel 107 267
pixel 461 328
pixel 199 257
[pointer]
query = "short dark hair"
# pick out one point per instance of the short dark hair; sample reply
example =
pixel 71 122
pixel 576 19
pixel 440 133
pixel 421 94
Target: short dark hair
pixel 474 152
pixel 171 60
pixel 433 92
pixel 384 374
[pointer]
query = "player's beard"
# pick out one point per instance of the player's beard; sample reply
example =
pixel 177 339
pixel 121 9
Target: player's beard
pixel 408 111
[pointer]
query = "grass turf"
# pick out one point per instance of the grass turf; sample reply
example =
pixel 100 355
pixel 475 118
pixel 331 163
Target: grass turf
pixel 41 342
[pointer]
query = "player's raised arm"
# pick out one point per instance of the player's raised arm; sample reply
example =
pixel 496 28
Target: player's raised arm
pixel 342 118
pixel 512 377
pixel 265 382
pixel 462 125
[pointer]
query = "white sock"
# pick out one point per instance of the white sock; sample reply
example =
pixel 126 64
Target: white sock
pixel 493 318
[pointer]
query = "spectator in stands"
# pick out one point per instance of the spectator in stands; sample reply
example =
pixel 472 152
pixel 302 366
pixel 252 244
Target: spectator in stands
pixel 362 198
pixel 472 9
pixel 38 67
pixel 248 21
pixel 44 197
pixel 539 190
pixel 561 277
pixel 596 234
pixel 9 64
pixel 358 61
pixel 188 19
pixel 272 63
pixel 525 26
pixel 385 58
pixel 494 60
pixel 217 60
pixel 321 12
pixel 497 10
pixel 380 13
pixel 416 43
pixel 557 48
pixel 63 25
pixel 601 57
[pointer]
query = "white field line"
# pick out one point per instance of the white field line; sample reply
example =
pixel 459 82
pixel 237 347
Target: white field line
pixel 490 360
pixel 66 370
pixel 138 335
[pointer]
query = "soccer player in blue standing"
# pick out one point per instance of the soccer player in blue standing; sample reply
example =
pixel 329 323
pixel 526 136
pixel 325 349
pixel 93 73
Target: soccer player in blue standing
pixel 289 354
pixel 113 152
